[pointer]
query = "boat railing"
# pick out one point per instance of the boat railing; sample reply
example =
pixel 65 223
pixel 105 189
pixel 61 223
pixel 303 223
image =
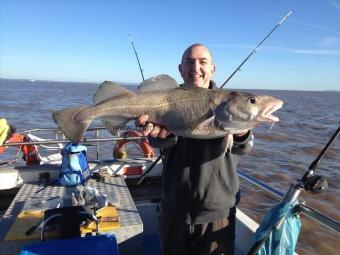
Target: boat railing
pixel 97 140
pixel 92 138
pixel 308 211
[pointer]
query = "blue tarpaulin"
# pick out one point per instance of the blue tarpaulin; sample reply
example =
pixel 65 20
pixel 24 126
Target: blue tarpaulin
pixel 281 241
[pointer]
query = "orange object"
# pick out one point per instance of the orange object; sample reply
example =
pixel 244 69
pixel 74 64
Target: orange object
pixel 15 138
pixel 30 152
pixel 108 220
pixel 119 149
pixel 133 170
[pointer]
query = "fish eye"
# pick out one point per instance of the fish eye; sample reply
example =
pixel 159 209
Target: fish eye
pixel 252 100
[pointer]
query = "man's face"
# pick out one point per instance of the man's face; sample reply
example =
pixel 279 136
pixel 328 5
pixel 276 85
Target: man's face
pixel 197 68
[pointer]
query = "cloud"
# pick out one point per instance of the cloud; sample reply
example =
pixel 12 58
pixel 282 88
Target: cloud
pixel 315 51
pixel 315 26
pixel 335 3
pixel 329 41
pixel 321 51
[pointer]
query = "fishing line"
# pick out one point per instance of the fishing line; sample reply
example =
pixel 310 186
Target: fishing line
pixel 15 159
pixel 271 127
pixel 330 169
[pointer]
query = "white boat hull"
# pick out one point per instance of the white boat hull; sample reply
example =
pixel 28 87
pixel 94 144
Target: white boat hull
pixel 14 177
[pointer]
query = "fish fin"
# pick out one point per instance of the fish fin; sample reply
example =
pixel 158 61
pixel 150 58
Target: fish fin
pixel 206 125
pixel 159 82
pixel 113 124
pixel 71 123
pixel 109 89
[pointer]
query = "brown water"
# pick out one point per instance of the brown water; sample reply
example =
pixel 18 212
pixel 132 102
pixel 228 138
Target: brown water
pixel 280 156
pixel 283 154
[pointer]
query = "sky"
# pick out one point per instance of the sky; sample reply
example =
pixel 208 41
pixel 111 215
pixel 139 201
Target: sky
pixel 87 41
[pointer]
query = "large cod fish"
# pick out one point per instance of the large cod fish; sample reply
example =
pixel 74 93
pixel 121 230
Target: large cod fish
pixel 185 111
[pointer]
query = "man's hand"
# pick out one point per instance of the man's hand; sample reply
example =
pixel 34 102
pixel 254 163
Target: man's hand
pixel 242 134
pixel 150 128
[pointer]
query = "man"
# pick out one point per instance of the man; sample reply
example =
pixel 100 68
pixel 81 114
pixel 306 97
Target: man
pixel 200 182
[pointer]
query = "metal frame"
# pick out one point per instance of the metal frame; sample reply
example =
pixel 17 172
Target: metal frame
pixel 310 212
pixel 96 140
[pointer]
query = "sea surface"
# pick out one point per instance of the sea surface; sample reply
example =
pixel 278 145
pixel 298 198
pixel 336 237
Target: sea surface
pixel 281 154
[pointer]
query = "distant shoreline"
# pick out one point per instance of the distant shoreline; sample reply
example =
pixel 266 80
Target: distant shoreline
pixel 136 84
pixel 63 82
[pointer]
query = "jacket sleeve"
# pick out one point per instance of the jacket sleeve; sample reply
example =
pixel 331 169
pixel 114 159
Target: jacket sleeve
pixel 163 143
pixel 244 144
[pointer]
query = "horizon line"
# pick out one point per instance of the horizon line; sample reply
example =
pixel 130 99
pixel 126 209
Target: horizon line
pixel 136 84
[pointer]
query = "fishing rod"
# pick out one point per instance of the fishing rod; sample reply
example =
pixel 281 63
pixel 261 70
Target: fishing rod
pixel 278 195
pixel 142 178
pixel 254 50
pixel 316 162
pixel 309 182
pixel 134 49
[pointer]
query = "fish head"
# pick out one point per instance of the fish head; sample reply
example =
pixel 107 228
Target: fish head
pixel 242 111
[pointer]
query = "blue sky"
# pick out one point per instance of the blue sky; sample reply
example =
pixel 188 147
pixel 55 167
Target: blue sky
pixel 88 40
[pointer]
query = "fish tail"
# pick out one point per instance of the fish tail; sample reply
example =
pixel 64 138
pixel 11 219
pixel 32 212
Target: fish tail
pixel 72 123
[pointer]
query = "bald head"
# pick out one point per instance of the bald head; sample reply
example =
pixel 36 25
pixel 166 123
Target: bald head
pixel 196 67
pixel 189 49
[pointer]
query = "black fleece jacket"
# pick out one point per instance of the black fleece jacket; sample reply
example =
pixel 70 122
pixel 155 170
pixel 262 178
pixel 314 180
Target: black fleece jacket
pixel 199 178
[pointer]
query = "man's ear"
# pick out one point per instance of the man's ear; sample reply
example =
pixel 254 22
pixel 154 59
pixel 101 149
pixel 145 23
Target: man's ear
pixel 213 68
pixel 180 68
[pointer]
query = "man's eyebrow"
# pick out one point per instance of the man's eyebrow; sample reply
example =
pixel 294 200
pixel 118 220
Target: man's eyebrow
pixel 190 58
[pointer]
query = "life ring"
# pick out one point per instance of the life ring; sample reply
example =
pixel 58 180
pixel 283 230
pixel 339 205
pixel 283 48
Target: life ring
pixel 119 150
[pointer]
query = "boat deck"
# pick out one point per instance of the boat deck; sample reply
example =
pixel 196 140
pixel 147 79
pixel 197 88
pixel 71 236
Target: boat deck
pixel 138 215
pixel 147 243
pixel 131 223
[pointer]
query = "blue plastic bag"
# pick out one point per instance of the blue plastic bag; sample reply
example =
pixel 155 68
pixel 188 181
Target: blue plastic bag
pixel 74 167
pixel 103 245
pixel 281 241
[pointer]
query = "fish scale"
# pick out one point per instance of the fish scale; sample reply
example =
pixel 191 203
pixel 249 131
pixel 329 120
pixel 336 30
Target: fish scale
pixel 185 111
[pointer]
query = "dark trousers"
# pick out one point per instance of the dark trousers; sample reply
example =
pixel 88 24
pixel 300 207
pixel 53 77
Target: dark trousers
pixel 179 238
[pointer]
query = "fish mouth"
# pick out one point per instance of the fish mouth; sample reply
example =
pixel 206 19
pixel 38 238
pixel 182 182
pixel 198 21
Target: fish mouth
pixel 267 114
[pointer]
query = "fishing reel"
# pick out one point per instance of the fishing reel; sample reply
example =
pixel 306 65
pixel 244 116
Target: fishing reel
pixel 313 183
pixel 316 184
